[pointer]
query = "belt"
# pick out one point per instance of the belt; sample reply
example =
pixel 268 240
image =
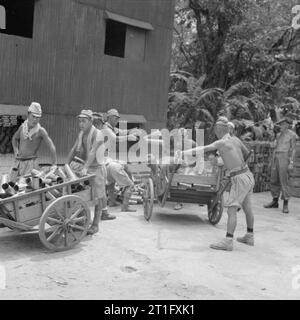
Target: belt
pixel 238 172
pixel 26 159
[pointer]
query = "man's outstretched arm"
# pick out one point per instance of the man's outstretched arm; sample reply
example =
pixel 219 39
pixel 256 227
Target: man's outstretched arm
pixel 211 147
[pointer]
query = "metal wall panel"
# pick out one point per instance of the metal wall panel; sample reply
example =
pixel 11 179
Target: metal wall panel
pixel 64 67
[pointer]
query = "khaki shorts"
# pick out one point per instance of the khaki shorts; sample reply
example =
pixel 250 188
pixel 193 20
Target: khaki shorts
pixel 241 187
pixel 25 167
pixel 116 173
pixel 100 181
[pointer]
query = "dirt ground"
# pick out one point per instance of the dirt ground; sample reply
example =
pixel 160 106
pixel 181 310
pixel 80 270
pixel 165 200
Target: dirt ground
pixel 168 258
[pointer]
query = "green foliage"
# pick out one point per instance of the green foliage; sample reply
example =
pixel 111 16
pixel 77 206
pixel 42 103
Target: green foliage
pixel 240 58
pixel 240 100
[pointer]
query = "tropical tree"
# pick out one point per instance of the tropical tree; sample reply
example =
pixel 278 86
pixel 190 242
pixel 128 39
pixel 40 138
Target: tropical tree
pixel 233 57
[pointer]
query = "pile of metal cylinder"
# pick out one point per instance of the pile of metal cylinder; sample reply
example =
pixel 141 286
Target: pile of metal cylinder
pixel 12 185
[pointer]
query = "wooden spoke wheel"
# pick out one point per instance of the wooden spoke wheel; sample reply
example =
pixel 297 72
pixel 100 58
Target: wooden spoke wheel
pixel 148 199
pixel 215 214
pixel 64 223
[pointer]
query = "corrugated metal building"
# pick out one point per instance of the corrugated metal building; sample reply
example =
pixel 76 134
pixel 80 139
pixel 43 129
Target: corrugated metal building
pixel 85 53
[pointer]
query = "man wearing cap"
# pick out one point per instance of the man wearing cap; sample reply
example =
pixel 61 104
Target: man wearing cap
pixel 98 120
pixel 88 143
pixel 27 141
pixel 282 163
pixel 233 153
pixel 116 169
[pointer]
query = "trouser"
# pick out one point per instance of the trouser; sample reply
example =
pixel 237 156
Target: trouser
pixel 280 175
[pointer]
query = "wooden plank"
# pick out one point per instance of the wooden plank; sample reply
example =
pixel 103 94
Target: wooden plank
pixel 85 195
pixel 15 225
pixel 294 182
pixel 30 213
pixel 194 179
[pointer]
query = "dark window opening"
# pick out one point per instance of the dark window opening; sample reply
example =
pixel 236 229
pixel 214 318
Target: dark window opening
pixel 18 17
pixel 115 38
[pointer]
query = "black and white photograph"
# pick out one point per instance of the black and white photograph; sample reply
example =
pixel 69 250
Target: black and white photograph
pixel 149 151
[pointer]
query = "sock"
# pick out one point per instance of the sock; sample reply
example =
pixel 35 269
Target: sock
pixel 229 235
pixel 250 230
pixel 104 210
pixel 275 199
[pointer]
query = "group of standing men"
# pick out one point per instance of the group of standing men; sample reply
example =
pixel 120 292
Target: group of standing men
pixel 96 136
pixel 95 139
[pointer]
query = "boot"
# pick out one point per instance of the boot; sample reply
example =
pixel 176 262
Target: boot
pixel 248 239
pixel 272 204
pixel 107 216
pixel 125 205
pixel 285 208
pixel 225 244
pixel 112 196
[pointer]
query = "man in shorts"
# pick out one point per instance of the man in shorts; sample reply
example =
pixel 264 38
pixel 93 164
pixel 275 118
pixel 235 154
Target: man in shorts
pixel 233 153
pixel 86 146
pixel 117 172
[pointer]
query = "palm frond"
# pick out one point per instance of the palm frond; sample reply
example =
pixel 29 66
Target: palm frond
pixel 208 96
pixel 204 115
pixel 292 101
pixel 242 88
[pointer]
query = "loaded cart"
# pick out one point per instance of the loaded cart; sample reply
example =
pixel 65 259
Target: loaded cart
pixel 62 222
pixel 165 184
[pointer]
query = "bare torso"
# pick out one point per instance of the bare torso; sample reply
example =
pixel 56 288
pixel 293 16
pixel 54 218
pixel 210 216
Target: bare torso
pixel 231 151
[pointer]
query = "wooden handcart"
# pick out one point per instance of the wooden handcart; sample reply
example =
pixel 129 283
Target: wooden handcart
pixel 62 222
pixel 164 184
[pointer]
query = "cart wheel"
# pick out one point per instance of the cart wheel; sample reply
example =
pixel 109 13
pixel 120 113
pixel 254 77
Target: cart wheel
pixel 64 223
pixel 215 215
pixel 148 199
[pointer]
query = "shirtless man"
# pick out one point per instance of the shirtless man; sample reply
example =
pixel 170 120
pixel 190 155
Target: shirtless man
pixel 116 172
pixel 27 141
pixel 233 153
pixel 86 146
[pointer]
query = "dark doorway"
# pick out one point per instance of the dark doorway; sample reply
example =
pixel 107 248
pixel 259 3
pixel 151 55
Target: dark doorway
pixel 115 38
pixel 19 15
